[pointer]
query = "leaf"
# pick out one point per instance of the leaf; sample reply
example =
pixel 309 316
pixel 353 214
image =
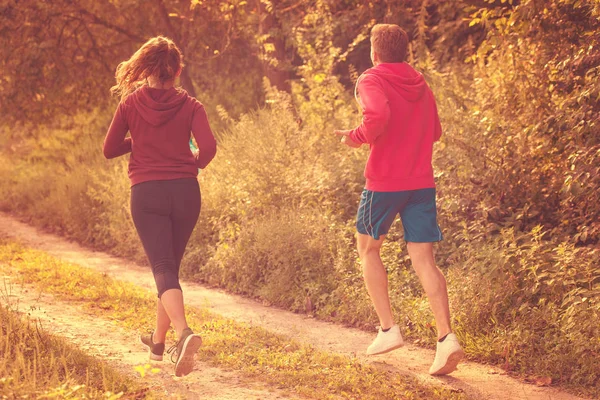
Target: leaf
pixel 543 381
pixel 474 21
pixel 319 78
pixel 141 370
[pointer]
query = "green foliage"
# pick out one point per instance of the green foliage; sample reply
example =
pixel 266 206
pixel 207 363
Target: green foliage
pixel 542 139
pixel 528 297
pixel 58 179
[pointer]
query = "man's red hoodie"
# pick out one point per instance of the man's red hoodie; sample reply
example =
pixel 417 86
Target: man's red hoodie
pixel 160 122
pixel 400 124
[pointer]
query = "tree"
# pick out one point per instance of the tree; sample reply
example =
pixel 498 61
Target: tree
pixel 59 57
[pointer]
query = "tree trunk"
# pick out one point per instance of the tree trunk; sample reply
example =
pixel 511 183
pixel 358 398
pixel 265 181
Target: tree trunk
pixel 184 78
pixel 279 77
pixel 186 83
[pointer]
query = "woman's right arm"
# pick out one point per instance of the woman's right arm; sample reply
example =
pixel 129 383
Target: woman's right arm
pixel 207 145
pixel 115 143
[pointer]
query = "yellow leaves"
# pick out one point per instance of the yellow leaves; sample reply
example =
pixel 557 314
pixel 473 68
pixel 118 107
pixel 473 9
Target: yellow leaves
pixel 196 3
pixel 269 47
pixel 474 21
pixel 146 368
pixel 319 78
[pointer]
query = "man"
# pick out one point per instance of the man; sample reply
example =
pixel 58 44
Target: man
pixel 400 124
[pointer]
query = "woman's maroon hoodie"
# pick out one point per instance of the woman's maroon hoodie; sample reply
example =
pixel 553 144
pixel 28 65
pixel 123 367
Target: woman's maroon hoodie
pixel 160 122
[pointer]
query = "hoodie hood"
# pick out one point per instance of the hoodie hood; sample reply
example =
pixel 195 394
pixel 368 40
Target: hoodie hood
pixel 157 106
pixel 401 78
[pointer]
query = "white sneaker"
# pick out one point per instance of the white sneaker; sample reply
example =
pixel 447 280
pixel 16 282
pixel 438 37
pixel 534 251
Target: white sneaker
pixel 386 341
pixel 447 356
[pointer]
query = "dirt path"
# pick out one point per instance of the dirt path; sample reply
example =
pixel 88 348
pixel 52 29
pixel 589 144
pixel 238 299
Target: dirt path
pixel 478 381
pixel 106 340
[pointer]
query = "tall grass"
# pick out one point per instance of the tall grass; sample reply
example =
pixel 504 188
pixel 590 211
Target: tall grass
pixel 35 364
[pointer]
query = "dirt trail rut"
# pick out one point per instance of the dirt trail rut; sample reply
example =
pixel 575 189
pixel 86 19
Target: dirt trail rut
pixel 478 381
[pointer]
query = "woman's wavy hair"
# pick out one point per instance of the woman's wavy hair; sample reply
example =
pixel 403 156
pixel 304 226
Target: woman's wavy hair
pixel 158 57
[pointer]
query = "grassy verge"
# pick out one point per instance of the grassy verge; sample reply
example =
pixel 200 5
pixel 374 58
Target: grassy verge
pixel 277 224
pixel 253 351
pixel 35 364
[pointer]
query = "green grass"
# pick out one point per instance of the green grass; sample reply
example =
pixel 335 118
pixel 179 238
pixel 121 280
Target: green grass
pixel 250 350
pixel 35 364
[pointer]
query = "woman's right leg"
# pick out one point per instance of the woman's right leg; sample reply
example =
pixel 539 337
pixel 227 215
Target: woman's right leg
pixel 172 302
pixel 163 323
pixel 185 209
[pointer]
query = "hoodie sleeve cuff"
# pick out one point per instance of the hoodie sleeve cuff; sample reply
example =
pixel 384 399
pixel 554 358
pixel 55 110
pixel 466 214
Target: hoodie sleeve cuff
pixel 355 136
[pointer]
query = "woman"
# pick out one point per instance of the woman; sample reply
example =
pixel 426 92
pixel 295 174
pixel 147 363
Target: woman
pixel 165 196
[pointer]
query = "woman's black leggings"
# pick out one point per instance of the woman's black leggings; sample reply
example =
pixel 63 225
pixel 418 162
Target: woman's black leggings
pixel 164 214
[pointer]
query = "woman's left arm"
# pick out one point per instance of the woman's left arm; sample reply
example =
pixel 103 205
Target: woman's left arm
pixel 207 145
pixel 115 143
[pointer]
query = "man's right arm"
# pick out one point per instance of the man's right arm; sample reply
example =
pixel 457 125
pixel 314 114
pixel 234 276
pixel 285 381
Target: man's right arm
pixel 376 110
pixel 437 134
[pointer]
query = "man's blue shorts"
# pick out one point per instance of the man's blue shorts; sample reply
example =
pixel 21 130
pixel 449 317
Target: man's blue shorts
pixel 377 211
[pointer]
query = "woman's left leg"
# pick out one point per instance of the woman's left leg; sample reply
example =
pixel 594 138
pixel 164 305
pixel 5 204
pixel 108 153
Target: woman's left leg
pixel 151 212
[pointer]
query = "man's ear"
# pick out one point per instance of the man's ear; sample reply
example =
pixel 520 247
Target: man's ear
pixel 374 57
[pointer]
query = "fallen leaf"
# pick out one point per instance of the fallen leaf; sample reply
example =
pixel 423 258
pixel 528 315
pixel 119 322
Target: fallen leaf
pixel 543 380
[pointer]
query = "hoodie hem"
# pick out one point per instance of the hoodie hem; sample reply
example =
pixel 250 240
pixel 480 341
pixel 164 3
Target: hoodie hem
pixel 398 185
pixel 158 176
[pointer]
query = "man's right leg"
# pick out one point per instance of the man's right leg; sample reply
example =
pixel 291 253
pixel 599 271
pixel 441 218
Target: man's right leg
pixel 448 353
pixel 376 214
pixel 389 337
pixel 375 277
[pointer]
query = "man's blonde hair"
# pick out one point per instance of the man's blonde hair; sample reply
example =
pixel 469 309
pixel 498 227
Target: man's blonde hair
pixel 390 42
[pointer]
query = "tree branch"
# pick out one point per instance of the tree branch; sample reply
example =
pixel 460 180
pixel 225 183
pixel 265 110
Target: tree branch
pixel 99 21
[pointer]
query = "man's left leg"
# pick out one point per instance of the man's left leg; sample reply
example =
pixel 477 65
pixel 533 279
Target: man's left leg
pixel 448 351
pixel 376 213
pixel 434 283
pixel 419 218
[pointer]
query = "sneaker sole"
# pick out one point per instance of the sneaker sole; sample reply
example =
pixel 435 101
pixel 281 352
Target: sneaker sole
pixel 386 350
pixel 185 363
pixel 451 363
pixel 151 355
